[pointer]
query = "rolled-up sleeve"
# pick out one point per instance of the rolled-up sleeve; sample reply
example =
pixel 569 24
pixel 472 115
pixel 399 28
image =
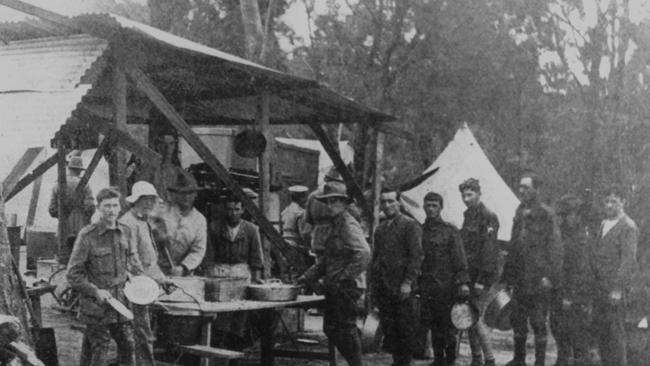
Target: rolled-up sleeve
pixel 197 248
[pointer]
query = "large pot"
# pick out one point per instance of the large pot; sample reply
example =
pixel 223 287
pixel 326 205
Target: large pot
pixel 464 315
pixel 497 313
pixel 273 290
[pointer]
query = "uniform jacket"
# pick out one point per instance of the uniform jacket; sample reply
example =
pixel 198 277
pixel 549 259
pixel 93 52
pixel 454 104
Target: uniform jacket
pixel 397 256
pixel 479 234
pixel 613 258
pixel 147 250
pixel 535 248
pixel 318 218
pixel 577 282
pixel 79 209
pixel 100 259
pixel 445 265
pixel 187 236
pixel 292 218
pixel 245 248
pixel 346 256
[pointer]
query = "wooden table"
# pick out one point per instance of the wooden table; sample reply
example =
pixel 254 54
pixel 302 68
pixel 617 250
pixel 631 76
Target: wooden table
pixel 208 312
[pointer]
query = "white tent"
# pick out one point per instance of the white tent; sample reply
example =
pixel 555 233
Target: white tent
pixel 463 158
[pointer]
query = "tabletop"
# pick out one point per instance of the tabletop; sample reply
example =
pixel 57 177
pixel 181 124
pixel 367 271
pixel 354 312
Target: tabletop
pixel 213 308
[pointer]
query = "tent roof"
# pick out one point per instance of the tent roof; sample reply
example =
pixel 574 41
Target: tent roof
pixel 463 158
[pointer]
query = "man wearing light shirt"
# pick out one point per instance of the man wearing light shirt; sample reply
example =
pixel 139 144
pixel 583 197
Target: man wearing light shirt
pixel 613 261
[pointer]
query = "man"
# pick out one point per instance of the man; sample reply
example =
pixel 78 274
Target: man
pixel 532 268
pixel 479 234
pixel 317 216
pixel 143 198
pixel 103 256
pixel 396 263
pixel 613 261
pixel 444 278
pixel 78 209
pixel 343 267
pixel 181 229
pixel 572 309
pixel 293 217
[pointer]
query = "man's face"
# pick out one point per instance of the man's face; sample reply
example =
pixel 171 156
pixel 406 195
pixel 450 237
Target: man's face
pixel 145 204
pixel 432 209
pixel 335 205
pixel 527 191
pixel 572 220
pixel 109 208
pixel 471 198
pixel 184 200
pixel 233 212
pixel 389 204
pixel 613 206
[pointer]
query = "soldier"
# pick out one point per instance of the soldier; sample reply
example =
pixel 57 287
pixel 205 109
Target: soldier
pixel 343 268
pixel 444 277
pixel 532 268
pixel 613 262
pixel 396 263
pixel 293 223
pixel 572 308
pixel 479 234
pixel 103 255
pixel 317 216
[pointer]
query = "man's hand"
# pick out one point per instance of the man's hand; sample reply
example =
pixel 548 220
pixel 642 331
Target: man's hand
pixel 103 296
pixel 177 271
pixel 615 296
pixel 566 304
pixel 546 283
pixel 463 290
pixel 478 288
pixel 405 290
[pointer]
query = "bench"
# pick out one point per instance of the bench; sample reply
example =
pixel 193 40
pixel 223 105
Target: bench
pixel 230 357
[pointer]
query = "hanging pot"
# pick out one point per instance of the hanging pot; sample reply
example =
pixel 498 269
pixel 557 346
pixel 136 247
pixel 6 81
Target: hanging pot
pixel 250 144
pixel 464 315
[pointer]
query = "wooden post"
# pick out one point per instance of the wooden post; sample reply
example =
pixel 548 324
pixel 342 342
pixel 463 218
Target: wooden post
pixel 377 183
pixel 264 160
pixel 62 229
pixel 119 94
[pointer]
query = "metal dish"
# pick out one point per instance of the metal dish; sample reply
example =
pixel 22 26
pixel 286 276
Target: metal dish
pixel 273 290
pixel 464 315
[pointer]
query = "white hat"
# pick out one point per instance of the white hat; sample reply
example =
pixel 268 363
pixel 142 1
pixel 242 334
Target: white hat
pixel 139 189
pixel 297 189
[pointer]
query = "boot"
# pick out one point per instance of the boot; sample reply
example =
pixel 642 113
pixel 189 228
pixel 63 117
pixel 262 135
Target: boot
pixel 519 358
pixel 438 344
pixel 540 350
pixel 450 351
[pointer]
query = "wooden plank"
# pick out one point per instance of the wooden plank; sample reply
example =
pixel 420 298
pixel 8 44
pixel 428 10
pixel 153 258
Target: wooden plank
pixel 90 169
pixel 20 168
pixel 41 13
pixel 29 178
pixel 62 232
pixel 33 204
pixel 146 86
pixel 117 165
pixel 211 352
pixel 353 187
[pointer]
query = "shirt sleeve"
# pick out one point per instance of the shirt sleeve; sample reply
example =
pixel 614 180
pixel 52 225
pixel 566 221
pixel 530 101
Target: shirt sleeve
pixel 77 275
pixel 53 208
pixel 555 251
pixel 416 254
pixel 255 256
pixel 458 257
pixel 134 266
pixel 359 257
pixel 197 248
pixel 489 251
pixel 628 248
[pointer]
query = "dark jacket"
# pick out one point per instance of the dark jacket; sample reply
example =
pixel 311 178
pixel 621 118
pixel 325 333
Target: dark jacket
pixel 245 248
pixel 613 258
pixel 444 266
pixel 397 255
pixel 346 256
pixel 577 283
pixel 100 259
pixel 479 234
pixel 535 249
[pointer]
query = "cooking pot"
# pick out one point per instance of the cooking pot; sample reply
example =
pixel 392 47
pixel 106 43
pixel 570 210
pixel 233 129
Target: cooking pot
pixel 497 313
pixel 273 290
pixel 464 315
pixel 250 144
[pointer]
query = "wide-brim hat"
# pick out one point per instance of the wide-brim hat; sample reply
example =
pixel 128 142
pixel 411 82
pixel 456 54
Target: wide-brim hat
pixel 298 189
pixel 334 190
pixel 76 162
pixel 139 189
pixel 183 182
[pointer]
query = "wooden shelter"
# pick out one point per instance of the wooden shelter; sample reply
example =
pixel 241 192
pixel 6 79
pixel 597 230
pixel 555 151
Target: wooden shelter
pixel 144 74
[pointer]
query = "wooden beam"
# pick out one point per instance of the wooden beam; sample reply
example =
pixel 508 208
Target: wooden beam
pixel 353 187
pixel 377 182
pixel 90 169
pixel 20 168
pixel 29 178
pixel 389 129
pixel 144 84
pixel 62 216
pixel 44 14
pixel 33 203
pixel 117 165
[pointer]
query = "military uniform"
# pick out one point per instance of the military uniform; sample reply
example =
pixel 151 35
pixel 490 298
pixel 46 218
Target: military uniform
pixel 535 253
pixel 479 234
pixel 397 259
pixel 343 269
pixel 571 326
pixel 613 261
pixel 444 269
pixel 318 218
pixel 100 259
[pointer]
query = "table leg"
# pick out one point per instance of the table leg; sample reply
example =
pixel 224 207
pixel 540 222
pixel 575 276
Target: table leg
pixel 266 341
pixel 331 350
pixel 206 336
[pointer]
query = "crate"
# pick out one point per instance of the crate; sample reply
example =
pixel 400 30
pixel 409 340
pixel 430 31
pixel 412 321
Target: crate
pixel 222 289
